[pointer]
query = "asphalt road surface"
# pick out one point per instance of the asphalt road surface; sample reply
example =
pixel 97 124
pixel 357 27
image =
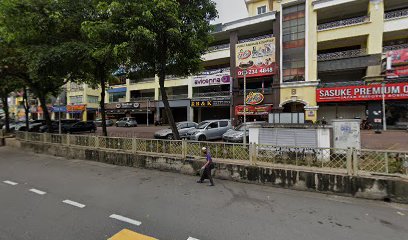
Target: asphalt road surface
pixel 44 197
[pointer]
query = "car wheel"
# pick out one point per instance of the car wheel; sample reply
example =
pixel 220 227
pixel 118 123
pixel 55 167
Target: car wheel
pixel 201 138
pixel 116 125
pixel 127 125
pixel 170 136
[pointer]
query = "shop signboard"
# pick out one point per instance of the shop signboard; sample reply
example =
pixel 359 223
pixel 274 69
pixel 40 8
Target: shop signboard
pixel 259 52
pixel 59 109
pixel 214 102
pixel 395 91
pixel 254 98
pixel 76 108
pixel 253 110
pixel 396 63
pixel 127 105
pixel 211 78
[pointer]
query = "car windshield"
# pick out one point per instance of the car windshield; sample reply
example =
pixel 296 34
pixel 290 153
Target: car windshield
pixel 202 125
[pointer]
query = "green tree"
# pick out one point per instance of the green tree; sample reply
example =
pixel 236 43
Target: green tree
pixel 47 34
pixel 161 37
pixel 101 38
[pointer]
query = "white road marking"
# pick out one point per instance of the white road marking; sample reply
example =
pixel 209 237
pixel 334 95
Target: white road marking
pixel 191 238
pixel 400 213
pixel 10 182
pixel 75 204
pixel 125 219
pixel 39 192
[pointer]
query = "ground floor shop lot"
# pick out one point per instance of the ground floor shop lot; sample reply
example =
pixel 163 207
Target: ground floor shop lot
pixel 392 139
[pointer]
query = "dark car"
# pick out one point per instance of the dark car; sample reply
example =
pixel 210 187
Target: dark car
pixel 81 127
pixel 65 123
pixel 108 122
pixel 33 126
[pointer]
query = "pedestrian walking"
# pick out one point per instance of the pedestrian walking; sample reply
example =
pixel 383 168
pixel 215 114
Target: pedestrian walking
pixel 206 169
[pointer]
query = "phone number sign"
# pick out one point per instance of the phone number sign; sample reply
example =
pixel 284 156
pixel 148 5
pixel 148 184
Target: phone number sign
pixel 257 71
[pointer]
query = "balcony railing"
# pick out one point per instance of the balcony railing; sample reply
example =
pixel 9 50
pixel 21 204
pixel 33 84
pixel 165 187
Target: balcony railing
pixel 218 47
pixel 212 94
pixel 342 54
pixel 174 97
pixel 395 47
pixel 257 90
pixel 141 99
pixel 343 23
pixel 340 84
pixel 396 14
pixel 143 80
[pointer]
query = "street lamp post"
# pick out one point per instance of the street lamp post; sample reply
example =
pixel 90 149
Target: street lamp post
pixel 59 115
pixel 147 112
pixel 244 67
pixel 383 107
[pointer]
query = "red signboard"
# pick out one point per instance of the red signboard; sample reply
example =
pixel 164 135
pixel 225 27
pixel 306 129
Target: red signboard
pixel 373 92
pixel 398 57
pixel 253 110
pixel 76 108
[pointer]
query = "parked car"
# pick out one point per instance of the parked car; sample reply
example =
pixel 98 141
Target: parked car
pixel 183 128
pixel 33 126
pixel 55 125
pixel 208 130
pixel 237 134
pixel 126 122
pixel 81 127
pixel 109 122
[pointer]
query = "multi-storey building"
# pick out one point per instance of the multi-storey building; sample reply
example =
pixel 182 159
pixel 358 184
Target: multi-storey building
pixel 82 102
pixel 313 58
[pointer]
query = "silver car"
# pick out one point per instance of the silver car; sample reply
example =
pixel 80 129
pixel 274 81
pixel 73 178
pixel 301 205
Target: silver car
pixel 126 122
pixel 208 130
pixel 183 128
pixel 237 134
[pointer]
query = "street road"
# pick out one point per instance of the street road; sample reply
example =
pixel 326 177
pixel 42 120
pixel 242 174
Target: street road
pixel 44 197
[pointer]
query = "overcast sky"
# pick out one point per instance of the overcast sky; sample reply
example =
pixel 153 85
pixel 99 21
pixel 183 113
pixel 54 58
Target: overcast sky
pixel 230 10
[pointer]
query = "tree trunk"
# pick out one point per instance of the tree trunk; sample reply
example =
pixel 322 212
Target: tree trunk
pixel 102 103
pixel 6 112
pixel 26 107
pixel 162 76
pixel 43 104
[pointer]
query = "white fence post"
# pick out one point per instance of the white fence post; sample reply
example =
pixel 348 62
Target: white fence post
pixel 134 145
pixel 355 162
pixel 350 161
pixel 96 141
pixel 184 148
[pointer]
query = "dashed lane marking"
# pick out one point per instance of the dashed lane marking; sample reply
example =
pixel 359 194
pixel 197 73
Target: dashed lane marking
pixel 10 182
pixel 126 234
pixel 125 219
pixel 191 238
pixel 400 213
pixel 75 204
pixel 39 192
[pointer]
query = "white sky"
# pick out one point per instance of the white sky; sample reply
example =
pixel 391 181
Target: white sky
pixel 230 10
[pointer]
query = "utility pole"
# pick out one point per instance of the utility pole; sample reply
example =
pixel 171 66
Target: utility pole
pixel 244 67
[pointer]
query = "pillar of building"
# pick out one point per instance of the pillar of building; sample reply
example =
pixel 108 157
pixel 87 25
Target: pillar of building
pixel 375 37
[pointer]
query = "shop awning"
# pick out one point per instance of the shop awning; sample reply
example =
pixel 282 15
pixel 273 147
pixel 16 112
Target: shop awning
pixel 117 90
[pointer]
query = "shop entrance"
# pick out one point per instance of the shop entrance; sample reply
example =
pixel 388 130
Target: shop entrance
pixel 211 113
pixel 179 114
pixel 293 107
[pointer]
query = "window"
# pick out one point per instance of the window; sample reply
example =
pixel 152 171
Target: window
pixel 93 99
pixel 293 38
pixel 261 10
pixel 213 125
pixel 223 124
pixel 75 99
pixel 117 97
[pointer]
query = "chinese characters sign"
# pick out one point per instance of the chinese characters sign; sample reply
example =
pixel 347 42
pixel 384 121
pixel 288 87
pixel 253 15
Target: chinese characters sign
pixel 253 110
pixel 362 93
pixel 210 102
pixel 261 53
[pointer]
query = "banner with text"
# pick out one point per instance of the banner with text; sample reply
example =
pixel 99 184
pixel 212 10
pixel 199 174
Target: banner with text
pixel 260 53
pixel 211 78
pixel 395 91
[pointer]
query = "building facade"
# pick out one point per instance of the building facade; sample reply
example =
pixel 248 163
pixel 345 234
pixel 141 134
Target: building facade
pixel 82 102
pixel 315 59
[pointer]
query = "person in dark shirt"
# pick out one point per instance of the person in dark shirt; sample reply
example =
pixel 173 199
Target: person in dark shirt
pixel 206 169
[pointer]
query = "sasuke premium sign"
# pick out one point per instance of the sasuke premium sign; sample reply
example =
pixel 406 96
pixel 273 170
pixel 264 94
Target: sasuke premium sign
pixel 362 93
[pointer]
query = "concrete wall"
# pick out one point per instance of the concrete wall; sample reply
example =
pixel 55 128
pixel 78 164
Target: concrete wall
pixel 362 187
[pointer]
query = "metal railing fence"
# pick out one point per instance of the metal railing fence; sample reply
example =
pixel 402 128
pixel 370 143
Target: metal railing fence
pixel 341 54
pixel 396 14
pixel 343 23
pixel 348 161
